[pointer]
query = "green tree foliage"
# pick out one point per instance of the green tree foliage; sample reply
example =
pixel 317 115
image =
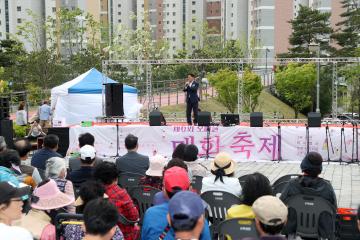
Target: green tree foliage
pixel 252 88
pixel 352 77
pixel 310 25
pixel 225 82
pixel 295 84
pixel 347 36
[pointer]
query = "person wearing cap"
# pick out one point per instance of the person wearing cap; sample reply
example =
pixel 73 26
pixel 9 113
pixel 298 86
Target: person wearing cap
pixel 89 191
pixel 155 224
pixel 270 218
pixel 84 139
pixel 47 202
pixel 56 170
pixel 309 183
pixel 195 165
pixel 51 144
pixel 11 210
pixel 132 161
pixel 153 176
pixel 186 215
pixel 87 158
pixel 222 177
pixel 107 174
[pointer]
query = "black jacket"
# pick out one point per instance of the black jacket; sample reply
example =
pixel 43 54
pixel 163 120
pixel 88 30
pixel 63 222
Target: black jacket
pixel 191 92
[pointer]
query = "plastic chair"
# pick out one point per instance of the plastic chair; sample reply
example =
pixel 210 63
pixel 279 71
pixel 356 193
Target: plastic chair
pixel 128 180
pixel 308 210
pixel 285 178
pixel 346 225
pixel 143 197
pixel 218 204
pixel 278 188
pixel 238 228
pixel 242 179
pixel 196 183
pixel 63 217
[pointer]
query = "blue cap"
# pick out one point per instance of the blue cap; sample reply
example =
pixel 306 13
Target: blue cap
pixel 185 209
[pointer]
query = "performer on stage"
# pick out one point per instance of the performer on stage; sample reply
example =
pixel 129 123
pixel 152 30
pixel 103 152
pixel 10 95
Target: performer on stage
pixel 192 98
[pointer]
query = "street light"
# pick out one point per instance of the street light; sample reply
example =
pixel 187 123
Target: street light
pixel 315 47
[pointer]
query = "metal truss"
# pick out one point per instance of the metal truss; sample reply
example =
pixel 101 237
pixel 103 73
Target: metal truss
pixel 334 95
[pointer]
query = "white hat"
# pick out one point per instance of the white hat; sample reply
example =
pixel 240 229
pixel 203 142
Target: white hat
pixel 157 164
pixel 270 210
pixel 87 151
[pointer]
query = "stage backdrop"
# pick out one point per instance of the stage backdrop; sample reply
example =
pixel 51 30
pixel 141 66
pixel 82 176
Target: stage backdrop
pixel 243 143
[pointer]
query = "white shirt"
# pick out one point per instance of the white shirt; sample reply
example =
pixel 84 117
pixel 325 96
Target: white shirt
pixel 21 118
pixel 230 185
pixel 14 233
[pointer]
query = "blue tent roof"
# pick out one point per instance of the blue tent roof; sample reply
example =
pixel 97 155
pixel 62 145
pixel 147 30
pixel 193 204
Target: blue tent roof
pixel 92 83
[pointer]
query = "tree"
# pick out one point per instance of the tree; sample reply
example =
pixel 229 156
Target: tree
pixel 352 75
pixel 251 91
pixel 225 82
pixel 347 36
pixel 310 25
pixel 295 84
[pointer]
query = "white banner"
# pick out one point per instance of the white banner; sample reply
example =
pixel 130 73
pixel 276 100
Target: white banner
pixel 243 143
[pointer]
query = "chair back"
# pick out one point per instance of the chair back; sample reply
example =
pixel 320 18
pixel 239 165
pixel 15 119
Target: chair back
pixel 196 183
pixel 285 178
pixel 218 204
pixel 308 209
pixel 62 217
pixel 238 228
pixel 278 188
pixel 128 180
pixel 347 227
pixel 242 179
pixel 143 197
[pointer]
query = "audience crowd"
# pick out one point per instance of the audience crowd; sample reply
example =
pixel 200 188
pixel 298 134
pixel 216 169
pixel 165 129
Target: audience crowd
pixel 32 197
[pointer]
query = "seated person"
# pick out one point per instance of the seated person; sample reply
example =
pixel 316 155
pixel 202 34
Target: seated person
pixel 153 176
pixel 311 184
pixel 179 151
pixel 358 217
pixel 195 165
pixel 87 158
pixel 51 145
pixel 222 176
pixel 84 139
pixel 100 219
pixel 7 173
pixel 89 191
pixel 256 185
pixel 35 131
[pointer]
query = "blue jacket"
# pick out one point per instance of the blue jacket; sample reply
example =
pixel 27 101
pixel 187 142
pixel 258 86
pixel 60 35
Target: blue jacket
pixel 155 222
pixel 191 92
pixel 40 157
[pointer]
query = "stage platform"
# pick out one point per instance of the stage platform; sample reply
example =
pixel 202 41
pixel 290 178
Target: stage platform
pixel 269 143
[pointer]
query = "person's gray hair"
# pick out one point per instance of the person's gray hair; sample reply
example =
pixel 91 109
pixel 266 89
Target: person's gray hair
pixel 54 166
pixel 2 143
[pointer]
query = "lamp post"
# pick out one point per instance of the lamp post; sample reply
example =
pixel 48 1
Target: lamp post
pixel 315 47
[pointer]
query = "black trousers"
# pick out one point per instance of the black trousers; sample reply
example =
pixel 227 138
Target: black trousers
pixel 192 107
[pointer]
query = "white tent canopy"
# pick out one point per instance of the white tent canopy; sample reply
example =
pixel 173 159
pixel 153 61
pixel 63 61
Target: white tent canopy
pixel 81 99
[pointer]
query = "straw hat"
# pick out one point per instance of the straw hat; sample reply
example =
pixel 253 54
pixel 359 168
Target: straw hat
pixel 223 160
pixel 157 164
pixel 50 197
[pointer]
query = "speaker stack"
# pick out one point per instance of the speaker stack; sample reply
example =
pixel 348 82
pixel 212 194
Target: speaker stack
pixel 6 125
pixel 314 119
pixel 204 119
pixel 256 119
pixel 156 118
pixel 114 100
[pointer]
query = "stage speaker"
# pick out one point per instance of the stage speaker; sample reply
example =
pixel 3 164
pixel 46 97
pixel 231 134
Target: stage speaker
pixel 156 118
pixel 63 134
pixel 114 100
pixel 256 119
pixel 4 108
pixel 314 119
pixel 229 119
pixel 204 118
pixel 6 130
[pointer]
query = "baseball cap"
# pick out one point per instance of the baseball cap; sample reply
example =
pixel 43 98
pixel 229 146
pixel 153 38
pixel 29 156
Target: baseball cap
pixel 185 208
pixel 270 210
pixel 9 191
pixel 87 151
pixel 176 177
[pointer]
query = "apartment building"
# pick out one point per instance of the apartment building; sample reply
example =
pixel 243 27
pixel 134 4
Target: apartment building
pixel 234 20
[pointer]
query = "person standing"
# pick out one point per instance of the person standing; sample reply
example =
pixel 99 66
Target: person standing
pixel 44 114
pixel 21 119
pixel 192 98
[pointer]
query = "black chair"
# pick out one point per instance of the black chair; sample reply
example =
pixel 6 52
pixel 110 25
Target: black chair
pixel 218 204
pixel 196 183
pixel 143 197
pixel 347 227
pixel 61 218
pixel 285 178
pixel 128 180
pixel 278 188
pixel 308 210
pixel 242 179
pixel 238 228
